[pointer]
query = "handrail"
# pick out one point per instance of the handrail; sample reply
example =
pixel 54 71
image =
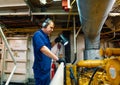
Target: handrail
pixel 11 54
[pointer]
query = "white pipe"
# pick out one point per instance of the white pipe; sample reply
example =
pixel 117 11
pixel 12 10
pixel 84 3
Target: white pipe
pixel 58 78
pixel 10 76
pixel 7 45
pixel 78 31
pixel 43 1
pixel 11 54
pixel 68 2
pixel 35 13
pixel 114 14
pixel 74 30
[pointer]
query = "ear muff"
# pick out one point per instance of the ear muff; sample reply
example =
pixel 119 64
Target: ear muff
pixel 45 23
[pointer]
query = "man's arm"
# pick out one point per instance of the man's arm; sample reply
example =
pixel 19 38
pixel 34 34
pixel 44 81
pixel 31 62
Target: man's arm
pixel 47 52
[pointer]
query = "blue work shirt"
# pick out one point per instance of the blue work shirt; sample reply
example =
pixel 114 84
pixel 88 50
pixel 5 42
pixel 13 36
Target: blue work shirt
pixel 42 63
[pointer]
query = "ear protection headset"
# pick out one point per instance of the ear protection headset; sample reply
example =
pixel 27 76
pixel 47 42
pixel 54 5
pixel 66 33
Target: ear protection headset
pixel 46 23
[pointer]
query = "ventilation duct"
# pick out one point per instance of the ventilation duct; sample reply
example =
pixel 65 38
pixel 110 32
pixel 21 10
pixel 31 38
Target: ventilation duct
pixel 93 14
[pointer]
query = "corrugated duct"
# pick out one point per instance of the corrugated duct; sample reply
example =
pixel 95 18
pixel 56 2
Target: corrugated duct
pixel 93 14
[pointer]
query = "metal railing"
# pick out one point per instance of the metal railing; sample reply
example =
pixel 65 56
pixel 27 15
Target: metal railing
pixel 11 55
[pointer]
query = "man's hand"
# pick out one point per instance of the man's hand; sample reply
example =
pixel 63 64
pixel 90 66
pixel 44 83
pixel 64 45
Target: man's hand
pixel 57 40
pixel 61 60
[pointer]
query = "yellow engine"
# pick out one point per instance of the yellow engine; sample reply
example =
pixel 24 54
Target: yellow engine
pixel 96 72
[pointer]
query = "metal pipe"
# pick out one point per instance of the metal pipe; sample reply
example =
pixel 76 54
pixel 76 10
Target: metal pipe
pixel 78 31
pixel 38 13
pixel 75 41
pixel 10 76
pixel 90 63
pixel 110 52
pixel 48 13
pixel 12 13
pixel 74 36
pixel 114 14
pixel 7 45
pixel 91 18
pixel 74 30
pixel 13 5
pixel 2 64
pixel 73 2
pixel 68 3
pixel 112 37
pixel 117 30
pixel 70 12
pixel 92 21
pixel 10 52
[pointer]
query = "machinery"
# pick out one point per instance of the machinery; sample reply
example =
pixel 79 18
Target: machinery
pixel 96 72
pixel 92 70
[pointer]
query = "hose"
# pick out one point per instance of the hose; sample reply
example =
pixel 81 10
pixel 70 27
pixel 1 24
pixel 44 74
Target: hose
pixel 96 69
pixel 75 58
pixel 72 75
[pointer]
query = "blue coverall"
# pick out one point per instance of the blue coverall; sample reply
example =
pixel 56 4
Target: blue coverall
pixel 42 63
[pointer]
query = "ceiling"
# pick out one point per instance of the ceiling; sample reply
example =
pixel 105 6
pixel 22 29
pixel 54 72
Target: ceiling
pixel 16 15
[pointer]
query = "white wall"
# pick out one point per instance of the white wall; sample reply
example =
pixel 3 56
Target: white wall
pixel 80 47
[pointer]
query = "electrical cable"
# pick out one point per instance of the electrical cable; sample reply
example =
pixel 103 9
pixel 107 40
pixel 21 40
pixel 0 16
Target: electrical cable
pixel 93 75
pixel 75 58
pixel 72 75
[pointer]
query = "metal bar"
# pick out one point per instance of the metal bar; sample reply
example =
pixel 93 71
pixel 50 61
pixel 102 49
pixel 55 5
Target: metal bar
pixel 117 30
pixel 11 54
pixel 111 37
pixel 114 14
pixel 48 13
pixel 78 31
pixel 2 70
pixel 91 63
pixel 39 13
pixel 55 13
pixel 10 76
pixel 12 13
pixel 74 35
pixel 12 5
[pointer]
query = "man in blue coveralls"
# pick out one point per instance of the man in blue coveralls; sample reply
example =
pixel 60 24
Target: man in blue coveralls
pixel 42 53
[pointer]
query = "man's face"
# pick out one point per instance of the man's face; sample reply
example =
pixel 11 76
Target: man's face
pixel 49 28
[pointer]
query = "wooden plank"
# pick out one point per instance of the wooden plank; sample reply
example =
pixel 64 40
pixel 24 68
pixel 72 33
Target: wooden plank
pixel 17 60
pixel 19 50
pixel 18 73
pixel 17 78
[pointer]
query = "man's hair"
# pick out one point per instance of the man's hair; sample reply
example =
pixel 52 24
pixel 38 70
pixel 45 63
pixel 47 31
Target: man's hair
pixel 46 22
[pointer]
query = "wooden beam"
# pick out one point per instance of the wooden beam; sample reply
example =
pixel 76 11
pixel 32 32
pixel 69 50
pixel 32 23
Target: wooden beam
pixel 31 30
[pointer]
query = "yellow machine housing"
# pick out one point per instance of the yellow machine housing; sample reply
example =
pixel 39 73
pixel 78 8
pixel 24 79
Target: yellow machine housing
pixel 96 72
